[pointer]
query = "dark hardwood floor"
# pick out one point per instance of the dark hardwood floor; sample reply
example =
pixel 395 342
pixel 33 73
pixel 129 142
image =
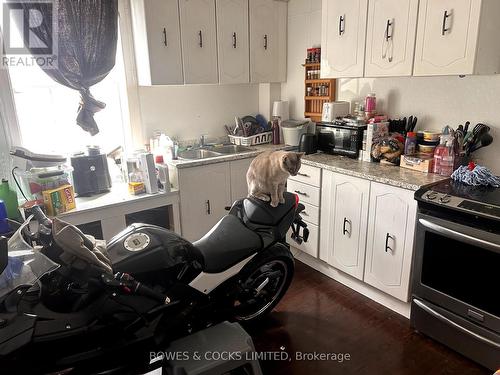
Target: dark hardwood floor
pixel 319 314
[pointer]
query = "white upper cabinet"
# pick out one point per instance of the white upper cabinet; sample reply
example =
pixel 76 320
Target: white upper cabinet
pixel 232 41
pixel 390 37
pixel 344 218
pixel 457 37
pixel 389 246
pixel 268 20
pixel 343 34
pixel 157 42
pixel 199 44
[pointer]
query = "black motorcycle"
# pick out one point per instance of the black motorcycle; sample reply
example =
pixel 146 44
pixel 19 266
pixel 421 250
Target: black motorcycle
pixel 68 307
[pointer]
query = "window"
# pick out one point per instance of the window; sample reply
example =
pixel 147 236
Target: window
pixel 47 110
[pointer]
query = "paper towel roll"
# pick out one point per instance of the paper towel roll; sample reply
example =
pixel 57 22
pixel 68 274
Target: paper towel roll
pixel 281 109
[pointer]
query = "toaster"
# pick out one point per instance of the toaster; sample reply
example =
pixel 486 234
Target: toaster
pixel 332 110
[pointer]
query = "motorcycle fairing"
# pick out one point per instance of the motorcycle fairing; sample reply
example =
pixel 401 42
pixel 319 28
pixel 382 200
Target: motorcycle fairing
pixel 207 282
pixel 17 333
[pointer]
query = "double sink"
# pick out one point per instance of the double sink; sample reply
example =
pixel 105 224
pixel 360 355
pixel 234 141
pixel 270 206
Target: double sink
pixel 212 152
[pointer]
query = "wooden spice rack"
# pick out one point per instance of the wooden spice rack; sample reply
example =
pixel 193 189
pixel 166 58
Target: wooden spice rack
pixel 316 91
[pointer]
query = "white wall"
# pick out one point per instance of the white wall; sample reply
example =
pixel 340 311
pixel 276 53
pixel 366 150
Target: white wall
pixel 437 101
pixel 186 112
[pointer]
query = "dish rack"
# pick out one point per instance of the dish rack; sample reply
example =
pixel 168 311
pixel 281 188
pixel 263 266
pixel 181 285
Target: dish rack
pixel 257 139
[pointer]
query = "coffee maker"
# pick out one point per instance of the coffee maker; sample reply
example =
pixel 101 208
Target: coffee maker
pixel 90 172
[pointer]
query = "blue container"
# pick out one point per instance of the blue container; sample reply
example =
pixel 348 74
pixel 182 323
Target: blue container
pixel 4 225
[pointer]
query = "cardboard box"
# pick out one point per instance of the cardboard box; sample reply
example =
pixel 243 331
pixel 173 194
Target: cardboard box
pixel 59 200
pixel 418 162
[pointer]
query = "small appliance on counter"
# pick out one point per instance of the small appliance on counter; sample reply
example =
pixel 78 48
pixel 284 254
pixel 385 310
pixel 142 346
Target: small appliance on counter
pixel 37 173
pixel 308 143
pixel 334 110
pixel 340 138
pixel 91 174
pixel 293 130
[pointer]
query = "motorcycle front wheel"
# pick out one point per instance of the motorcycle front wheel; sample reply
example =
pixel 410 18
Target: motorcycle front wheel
pixel 263 283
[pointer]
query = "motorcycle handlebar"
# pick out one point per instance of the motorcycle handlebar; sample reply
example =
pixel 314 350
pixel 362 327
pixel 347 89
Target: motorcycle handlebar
pixel 41 217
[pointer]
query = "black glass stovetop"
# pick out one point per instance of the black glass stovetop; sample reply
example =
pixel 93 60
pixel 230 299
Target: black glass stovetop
pixel 482 194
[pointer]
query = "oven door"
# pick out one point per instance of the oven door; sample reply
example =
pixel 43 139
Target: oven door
pixel 336 140
pixel 457 268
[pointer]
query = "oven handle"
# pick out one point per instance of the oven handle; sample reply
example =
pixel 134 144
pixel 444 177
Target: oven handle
pixel 450 322
pixel 459 236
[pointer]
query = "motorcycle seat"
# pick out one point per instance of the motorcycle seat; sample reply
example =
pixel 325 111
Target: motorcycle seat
pixel 227 243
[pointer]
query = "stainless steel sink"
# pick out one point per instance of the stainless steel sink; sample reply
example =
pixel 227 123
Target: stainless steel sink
pixel 196 154
pixel 231 149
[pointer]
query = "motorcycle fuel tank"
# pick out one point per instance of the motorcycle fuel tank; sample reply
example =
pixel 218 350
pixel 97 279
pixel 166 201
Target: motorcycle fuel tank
pixel 144 248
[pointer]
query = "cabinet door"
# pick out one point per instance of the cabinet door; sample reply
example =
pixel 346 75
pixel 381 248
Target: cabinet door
pixel 343 34
pixel 205 192
pixel 344 222
pixel 390 37
pixel 157 42
pixel 391 227
pixel 239 187
pixel 199 44
pixel 232 41
pixel 446 37
pixel 267 40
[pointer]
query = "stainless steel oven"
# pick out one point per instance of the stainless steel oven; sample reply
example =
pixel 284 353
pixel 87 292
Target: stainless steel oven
pixel 456 277
pixel 340 138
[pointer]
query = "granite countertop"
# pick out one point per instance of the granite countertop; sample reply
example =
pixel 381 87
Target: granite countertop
pixel 383 173
pixel 386 174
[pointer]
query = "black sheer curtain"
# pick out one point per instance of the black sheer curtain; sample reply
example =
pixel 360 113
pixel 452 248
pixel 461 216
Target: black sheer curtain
pixel 86 34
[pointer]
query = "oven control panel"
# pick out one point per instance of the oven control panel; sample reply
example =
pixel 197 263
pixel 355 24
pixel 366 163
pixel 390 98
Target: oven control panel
pixel 462 204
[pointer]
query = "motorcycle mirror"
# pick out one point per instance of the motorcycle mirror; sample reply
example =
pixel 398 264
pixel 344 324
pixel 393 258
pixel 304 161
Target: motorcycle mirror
pixel 4 259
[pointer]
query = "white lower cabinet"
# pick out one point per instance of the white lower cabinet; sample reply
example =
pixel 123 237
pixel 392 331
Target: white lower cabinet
pixel 205 191
pixel 306 184
pixel 344 218
pixel 239 187
pixel 391 226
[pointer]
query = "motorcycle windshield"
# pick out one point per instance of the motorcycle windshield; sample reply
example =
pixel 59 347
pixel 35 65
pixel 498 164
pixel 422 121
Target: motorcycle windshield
pixel 25 265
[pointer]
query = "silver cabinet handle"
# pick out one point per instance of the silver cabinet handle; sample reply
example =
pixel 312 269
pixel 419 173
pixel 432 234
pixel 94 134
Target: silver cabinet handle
pixel 450 322
pixel 341 25
pixel 209 211
pixel 234 40
pixel 301 193
pixel 344 231
pixel 445 17
pixel 265 41
pixel 165 36
pixel 200 35
pixel 388 35
pixel 387 247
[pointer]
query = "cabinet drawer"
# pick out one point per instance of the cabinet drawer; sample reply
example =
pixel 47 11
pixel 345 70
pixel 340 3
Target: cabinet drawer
pixel 307 193
pixel 311 246
pixel 309 175
pixel 310 214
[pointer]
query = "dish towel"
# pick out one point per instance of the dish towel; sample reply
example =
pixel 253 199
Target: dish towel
pixel 475 175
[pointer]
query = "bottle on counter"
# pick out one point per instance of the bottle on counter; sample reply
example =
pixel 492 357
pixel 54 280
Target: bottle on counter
pixel 444 156
pixel 371 103
pixel 275 127
pixel 410 143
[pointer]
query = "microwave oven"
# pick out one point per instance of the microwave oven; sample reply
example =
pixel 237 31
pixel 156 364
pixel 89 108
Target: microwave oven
pixel 340 138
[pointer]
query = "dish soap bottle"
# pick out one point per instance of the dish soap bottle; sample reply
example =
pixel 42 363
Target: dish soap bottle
pixel 10 199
